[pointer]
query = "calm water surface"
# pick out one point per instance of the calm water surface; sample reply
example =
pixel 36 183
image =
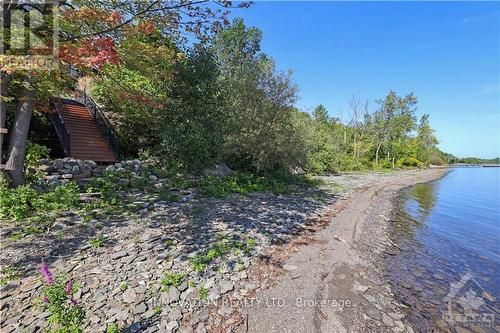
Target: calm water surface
pixel 446 265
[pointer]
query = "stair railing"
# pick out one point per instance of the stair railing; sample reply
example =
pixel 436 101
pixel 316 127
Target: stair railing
pixel 60 127
pixel 101 120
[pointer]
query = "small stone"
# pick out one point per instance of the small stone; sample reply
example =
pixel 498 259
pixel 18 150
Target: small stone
pixel 170 296
pixel 396 316
pixel 226 286
pixel 225 310
pixel 201 316
pixel 175 314
pixel 374 313
pixel 213 295
pixel 201 328
pixel 289 267
pixel 185 329
pixel 360 288
pixel 123 182
pixel 118 255
pixel 110 168
pixel 171 326
pixel 140 308
pixel 67 176
pixel 387 320
pixel 129 295
pixel 370 298
pixel 58 163
pixel 58 226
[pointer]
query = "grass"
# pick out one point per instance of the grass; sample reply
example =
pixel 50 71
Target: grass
pixel 219 249
pixel 170 242
pixel 172 280
pixel 203 293
pixel 8 274
pixel 97 242
pixel 24 203
pixel 113 328
pixel 245 183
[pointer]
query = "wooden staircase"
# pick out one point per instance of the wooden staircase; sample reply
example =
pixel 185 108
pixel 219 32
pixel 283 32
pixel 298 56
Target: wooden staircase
pixel 80 133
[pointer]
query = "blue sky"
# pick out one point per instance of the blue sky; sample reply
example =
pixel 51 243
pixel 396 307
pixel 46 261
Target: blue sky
pixel 447 53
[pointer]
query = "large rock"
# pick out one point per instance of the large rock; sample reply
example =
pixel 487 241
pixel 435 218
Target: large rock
pixel 218 170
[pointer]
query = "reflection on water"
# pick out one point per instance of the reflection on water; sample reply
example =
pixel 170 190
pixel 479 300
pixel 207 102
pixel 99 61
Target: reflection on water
pixel 447 269
pixel 424 194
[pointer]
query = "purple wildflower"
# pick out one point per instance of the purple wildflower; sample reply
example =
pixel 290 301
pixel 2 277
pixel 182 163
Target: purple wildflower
pixel 44 269
pixel 69 287
pixel 45 299
pixel 73 302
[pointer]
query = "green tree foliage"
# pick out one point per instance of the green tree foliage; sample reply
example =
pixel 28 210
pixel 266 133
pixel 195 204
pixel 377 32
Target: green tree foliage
pixel 262 123
pixel 220 98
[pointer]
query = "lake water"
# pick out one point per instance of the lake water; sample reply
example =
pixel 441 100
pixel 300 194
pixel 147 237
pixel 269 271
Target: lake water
pixel 445 265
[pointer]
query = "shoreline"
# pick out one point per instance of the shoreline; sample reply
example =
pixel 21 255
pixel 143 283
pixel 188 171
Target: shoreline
pixel 333 279
pixel 121 280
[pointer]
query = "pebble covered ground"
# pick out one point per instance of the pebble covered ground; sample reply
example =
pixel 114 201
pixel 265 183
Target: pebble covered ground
pixel 124 264
pixel 183 266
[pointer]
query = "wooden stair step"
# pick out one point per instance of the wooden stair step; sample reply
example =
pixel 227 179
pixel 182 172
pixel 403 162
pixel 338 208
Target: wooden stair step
pixel 87 140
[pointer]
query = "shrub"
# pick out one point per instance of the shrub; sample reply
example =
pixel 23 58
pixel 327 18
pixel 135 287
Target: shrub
pixel 34 152
pixel 172 280
pixel 66 315
pixel 107 186
pixel 245 183
pixel 350 163
pixel 21 202
pixel 409 161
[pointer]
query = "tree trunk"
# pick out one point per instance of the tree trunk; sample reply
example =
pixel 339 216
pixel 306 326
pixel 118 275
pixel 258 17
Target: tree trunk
pixel 19 135
pixel 4 82
pixel 354 145
pixel 376 153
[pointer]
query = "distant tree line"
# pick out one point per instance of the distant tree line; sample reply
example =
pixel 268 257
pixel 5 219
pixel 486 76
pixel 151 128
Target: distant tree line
pixel 474 160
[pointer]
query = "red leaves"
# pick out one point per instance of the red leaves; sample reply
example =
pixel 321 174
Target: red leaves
pixel 115 17
pixel 92 52
pixel 146 27
pixel 142 99
pixel 86 15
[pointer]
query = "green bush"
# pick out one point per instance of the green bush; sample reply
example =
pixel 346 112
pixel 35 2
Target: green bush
pixel 409 161
pixel 245 183
pixel 350 163
pixel 23 202
pixel 34 152
pixel 107 186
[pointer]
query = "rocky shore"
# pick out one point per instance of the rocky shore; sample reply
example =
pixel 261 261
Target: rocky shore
pixel 337 282
pixel 196 264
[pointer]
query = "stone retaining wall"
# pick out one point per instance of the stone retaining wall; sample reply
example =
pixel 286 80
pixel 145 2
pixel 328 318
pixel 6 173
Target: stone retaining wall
pixel 62 170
